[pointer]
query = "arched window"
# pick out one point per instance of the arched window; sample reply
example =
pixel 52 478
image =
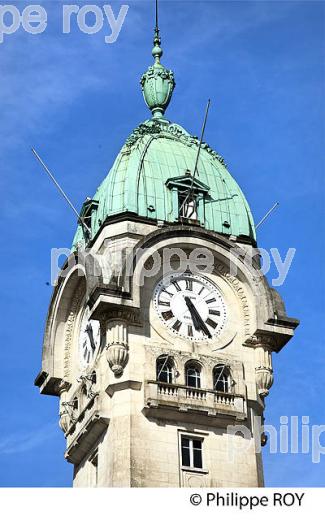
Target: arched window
pixel 165 369
pixel 221 378
pixel 193 375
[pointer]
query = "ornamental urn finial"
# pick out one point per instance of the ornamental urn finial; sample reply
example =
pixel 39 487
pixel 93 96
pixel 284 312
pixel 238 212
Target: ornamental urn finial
pixel 157 82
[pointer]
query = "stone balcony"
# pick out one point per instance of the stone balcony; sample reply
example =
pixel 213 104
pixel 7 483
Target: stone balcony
pixel 170 398
pixel 85 429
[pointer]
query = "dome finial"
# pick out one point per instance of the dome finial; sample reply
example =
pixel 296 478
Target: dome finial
pixel 158 82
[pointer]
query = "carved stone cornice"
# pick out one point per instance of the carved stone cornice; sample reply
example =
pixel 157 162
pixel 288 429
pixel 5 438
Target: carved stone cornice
pixel 130 315
pixel 51 385
pixel 261 339
pixel 63 386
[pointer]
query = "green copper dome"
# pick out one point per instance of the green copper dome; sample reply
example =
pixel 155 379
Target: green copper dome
pixel 151 168
pixel 152 176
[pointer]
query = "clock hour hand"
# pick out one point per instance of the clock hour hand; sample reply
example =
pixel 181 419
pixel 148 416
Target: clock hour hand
pixel 89 331
pixel 197 320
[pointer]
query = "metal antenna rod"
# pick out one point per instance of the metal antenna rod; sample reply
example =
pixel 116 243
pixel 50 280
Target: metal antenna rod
pixel 163 366
pixel 80 219
pixel 201 139
pixel 267 214
pixel 157 27
pixel 198 154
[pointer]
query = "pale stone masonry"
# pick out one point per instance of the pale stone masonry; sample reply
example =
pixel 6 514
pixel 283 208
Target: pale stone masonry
pixel 125 429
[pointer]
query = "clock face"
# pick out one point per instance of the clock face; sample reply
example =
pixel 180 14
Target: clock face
pixel 89 339
pixel 190 306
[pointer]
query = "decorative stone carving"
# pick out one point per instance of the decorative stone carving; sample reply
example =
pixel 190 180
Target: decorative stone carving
pixel 75 305
pixel 264 439
pixel 88 382
pixel 260 339
pixel 263 345
pixel 223 271
pixel 129 315
pixel 64 415
pixel 117 349
pixel 164 129
pixel 117 357
pixel 64 421
pixel 264 380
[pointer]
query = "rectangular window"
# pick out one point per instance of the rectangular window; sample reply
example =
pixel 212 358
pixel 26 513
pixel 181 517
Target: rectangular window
pixel 191 452
pixel 188 208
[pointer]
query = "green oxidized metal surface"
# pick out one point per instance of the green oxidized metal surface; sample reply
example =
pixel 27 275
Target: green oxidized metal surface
pixel 158 151
pixel 157 86
pixel 158 82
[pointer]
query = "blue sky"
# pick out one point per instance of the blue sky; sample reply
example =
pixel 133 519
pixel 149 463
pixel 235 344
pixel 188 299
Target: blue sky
pixel 76 99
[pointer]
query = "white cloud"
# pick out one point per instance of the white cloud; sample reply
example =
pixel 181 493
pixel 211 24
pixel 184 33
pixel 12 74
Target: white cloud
pixel 26 441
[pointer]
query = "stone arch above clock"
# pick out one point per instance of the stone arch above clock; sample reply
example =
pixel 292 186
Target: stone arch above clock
pixel 67 297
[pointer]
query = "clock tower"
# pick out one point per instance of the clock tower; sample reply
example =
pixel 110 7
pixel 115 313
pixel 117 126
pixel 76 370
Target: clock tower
pixel 161 328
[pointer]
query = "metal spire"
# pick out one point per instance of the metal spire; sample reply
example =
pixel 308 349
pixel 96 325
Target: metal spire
pixel 157 27
pixel 157 51
pixel 157 82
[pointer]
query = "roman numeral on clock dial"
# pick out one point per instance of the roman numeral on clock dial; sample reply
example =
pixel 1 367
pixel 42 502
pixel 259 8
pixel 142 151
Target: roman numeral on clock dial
pixel 177 325
pixel 167 315
pixel 214 312
pixel 211 323
pixel 190 306
pixel 165 304
pixel 169 293
pixel 176 284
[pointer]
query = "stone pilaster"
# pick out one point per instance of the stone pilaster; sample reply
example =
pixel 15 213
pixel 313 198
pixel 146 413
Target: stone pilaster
pixel 263 345
pixel 64 414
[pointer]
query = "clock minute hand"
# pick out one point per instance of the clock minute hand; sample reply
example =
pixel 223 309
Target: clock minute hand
pixel 196 317
pixel 192 310
pixel 204 328
pixel 89 331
